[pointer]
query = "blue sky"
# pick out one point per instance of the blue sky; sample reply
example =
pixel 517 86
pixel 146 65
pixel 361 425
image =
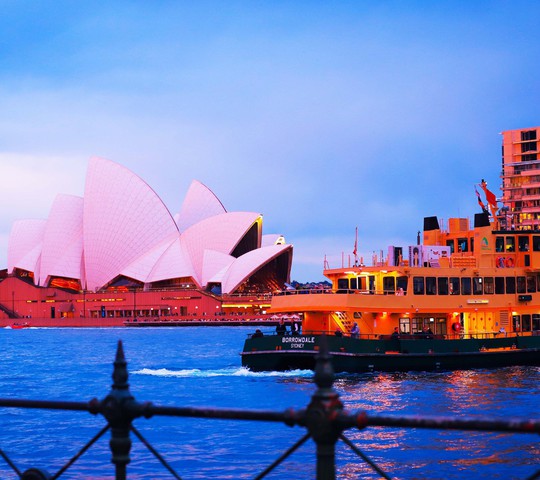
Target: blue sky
pixel 322 116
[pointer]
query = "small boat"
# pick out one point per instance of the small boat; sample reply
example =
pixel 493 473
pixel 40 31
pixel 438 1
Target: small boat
pixel 19 326
pixel 459 298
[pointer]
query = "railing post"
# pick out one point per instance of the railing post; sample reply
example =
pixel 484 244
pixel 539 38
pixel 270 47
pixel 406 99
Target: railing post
pixel 322 413
pixel 115 408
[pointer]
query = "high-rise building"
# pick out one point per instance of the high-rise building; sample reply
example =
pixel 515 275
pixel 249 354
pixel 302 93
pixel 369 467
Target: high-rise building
pixel 521 178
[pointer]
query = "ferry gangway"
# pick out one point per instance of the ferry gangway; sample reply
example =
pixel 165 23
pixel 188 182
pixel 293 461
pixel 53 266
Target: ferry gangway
pixel 325 420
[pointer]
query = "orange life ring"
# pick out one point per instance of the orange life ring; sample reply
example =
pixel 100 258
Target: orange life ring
pixel 456 326
pixel 509 262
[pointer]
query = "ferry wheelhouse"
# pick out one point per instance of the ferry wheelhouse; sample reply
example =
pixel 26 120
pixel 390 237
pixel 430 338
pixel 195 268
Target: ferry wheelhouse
pixel 461 298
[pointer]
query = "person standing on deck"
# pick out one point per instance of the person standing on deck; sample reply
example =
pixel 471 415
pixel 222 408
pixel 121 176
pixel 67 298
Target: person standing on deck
pixel 355 331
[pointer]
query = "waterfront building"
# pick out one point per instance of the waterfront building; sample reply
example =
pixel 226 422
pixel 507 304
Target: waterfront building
pixel 521 178
pixel 118 253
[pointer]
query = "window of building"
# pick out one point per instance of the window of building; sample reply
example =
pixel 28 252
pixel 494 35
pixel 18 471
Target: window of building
pixel 442 285
pixel 531 284
pixel 510 244
pixel 404 325
pixel 510 285
pixel 528 135
pixel 529 157
pixel 402 284
pixel 389 285
pixel 536 321
pixel 528 147
pixel 465 286
pixel 523 243
pixel 418 285
pixel 453 286
pixel 536 243
pixel 521 285
pixel 489 285
pixel 499 285
pixel 477 286
pixel 431 285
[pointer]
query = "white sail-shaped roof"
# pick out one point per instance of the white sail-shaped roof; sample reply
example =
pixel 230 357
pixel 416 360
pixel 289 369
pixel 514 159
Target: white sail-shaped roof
pixel 62 242
pixel 249 263
pixel 123 219
pixel 220 233
pixel 25 244
pixel 121 228
pixel 200 203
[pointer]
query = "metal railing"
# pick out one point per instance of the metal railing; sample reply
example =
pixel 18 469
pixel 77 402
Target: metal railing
pixel 324 419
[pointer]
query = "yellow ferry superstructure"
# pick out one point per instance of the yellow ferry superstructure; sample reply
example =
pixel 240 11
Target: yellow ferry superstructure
pixel 459 282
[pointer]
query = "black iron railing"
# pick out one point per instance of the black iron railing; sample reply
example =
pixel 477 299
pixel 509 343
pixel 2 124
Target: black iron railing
pixel 324 419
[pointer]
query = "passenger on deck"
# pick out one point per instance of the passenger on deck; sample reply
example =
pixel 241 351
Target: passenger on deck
pixel 338 333
pixel 395 333
pixel 355 331
pixel 257 334
pixel 281 329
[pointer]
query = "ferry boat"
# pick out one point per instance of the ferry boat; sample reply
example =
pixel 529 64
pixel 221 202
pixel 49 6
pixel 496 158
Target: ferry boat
pixel 459 298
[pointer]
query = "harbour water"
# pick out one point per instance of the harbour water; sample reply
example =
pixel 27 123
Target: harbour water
pixel 200 366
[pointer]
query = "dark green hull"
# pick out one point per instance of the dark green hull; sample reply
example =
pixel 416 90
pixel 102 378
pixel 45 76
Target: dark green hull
pixel 275 353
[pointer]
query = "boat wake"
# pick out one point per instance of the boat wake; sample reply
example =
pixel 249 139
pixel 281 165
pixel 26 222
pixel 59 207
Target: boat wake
pixel 221 372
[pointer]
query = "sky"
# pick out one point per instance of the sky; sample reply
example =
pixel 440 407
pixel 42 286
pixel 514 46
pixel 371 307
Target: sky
pixel 321 116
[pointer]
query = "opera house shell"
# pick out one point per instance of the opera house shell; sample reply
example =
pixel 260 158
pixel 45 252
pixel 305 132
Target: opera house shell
pixel 120 234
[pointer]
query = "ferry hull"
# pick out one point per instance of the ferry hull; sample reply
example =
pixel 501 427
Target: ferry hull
pixel 358 355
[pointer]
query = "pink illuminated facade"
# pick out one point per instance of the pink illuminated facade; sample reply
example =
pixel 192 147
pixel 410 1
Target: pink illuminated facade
pixel 120 237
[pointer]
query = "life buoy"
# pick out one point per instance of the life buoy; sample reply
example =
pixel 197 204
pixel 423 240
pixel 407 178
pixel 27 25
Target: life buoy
pixel 456 326
pixel 500 262
pixel 509 262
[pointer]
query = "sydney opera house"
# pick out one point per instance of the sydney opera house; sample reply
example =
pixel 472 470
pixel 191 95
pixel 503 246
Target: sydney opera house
pixel 118 254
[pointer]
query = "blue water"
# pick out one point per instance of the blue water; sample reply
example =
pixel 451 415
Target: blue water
pixel 201 367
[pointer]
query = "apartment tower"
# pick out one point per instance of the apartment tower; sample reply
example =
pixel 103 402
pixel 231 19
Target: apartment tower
pixel 521 178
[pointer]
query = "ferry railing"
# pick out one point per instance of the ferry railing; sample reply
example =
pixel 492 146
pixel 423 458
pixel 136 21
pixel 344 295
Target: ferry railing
pixel 325 420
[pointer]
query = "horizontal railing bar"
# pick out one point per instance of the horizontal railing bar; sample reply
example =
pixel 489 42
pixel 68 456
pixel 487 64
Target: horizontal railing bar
pixel 512 425
pixel 44 404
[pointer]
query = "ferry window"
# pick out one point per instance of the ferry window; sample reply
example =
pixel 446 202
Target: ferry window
pixel 510 244
pixel 520 284
pixel 454 286
pixel 362 283
pixel 536 321
pixel 440 326
pixel 523 244
pixel 526 323
pixel 418 285
pixel 442 285
pixel 404 325
pixel 510 285
pixel 515 323
pixel 477 286
pixel 472 244
pixel 536 243
pixel 389 285
pixel 531 284
pixel 431 285
pixel 489 286
pixel 354 283
pixel 499 244
pixel 371 284
pixel 402 284
pixel 343 284
pixel 450 243
pixel 416 325
pixel 466 286
pixel 462 245
pixel 499 285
